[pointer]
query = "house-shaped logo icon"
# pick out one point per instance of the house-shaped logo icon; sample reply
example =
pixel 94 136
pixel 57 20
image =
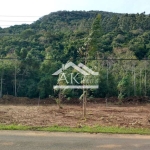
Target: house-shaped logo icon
pixel 81 68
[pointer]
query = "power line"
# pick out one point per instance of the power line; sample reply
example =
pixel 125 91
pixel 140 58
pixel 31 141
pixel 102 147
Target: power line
pixel 18 16
pixel 13 25
pixel 14 21
pixel 5 25
pixel 12 58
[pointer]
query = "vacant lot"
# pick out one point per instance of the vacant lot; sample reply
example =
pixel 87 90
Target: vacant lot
pixel 71 115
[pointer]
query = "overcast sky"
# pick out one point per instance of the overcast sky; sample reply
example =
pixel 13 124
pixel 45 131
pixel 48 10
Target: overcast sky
pixel 39 8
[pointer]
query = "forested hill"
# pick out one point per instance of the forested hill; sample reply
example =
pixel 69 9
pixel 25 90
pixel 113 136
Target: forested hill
pixel 63 29
pixel 64 35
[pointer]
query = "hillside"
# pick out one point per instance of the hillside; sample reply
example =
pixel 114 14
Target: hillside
pixel 119 30
pixel 62 36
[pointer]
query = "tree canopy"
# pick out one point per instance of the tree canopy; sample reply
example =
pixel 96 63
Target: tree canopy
pixel 41 47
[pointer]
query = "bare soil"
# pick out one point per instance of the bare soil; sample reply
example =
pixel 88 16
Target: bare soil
pixel 71 115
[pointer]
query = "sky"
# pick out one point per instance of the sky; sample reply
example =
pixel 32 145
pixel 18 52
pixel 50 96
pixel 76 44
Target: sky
pixel 14 12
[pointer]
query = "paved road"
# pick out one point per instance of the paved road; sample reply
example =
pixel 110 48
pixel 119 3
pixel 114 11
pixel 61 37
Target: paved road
pixel 26 140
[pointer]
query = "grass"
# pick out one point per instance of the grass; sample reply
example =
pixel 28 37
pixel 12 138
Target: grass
pixel 85 129
pixel 14 127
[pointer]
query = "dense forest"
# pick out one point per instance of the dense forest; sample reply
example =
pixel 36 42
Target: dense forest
pixel 106 42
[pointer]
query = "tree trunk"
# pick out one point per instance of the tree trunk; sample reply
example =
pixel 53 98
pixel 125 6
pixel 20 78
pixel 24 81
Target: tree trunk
pixel 134 83
pixel 84 104
pixel 84 92
pixel 145 82
pixel 59 100
pixel 1 92
pixel 140 82
pixel 107 77
pixel 15 80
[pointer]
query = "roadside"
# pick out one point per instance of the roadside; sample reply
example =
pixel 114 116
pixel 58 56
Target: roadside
pixel 30 140
pixel 100 119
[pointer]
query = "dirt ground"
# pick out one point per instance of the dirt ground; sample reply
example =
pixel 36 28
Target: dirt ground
pixel 71 115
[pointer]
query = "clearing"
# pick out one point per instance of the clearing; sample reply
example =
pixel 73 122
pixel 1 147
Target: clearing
pixel 71 115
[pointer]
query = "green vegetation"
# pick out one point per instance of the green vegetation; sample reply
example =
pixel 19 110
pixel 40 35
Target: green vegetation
pixel 94 129
pixel 14 127
pixel 42 47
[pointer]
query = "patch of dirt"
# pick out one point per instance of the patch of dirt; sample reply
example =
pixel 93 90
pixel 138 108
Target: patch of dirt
pixel 71 115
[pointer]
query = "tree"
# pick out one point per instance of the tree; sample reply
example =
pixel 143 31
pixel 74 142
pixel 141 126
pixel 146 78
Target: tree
pixel 123 87
pixel 6 68
pixel 94 38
